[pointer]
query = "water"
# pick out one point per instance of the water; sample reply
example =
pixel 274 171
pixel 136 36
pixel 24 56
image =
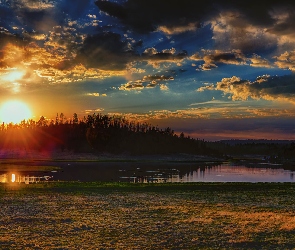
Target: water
pixel 162 172
pixel 227 173
pixel 217 173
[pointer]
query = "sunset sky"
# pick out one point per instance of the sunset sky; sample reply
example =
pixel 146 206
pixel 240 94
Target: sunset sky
pixel 211 69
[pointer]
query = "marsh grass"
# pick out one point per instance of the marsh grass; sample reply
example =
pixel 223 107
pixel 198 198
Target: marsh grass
pixel 77 215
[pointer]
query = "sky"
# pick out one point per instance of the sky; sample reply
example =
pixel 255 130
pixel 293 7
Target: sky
pixel 212 69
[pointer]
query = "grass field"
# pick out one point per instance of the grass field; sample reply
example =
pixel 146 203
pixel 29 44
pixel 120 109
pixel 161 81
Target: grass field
pixel 76 215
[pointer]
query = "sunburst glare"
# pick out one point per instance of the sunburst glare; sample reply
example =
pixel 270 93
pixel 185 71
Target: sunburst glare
pixel 14 111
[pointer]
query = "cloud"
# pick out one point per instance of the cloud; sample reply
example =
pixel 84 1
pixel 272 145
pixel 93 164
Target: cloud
pixel 108 51
pixel 41 16
pixel 258 61
pixel 57 61
pixel 42 65
pixel 149 15
pixel 286 60
pixel 8 38
pixel 265 87
pixel 149 81
pixel 283 27
pixel 233 30
pixel 207 87
pixel 11 56
pixel 158 78
pixel 164 87
pixel 33 4
pixel 59 38
pixel 217 119
pixel 213 57
pixel 245 22
pixel 265 27
pixel 105 51
pixel 173 30
pixel 152 84
pixel 93 111
pixel 95 94
pixel 39 37
pixel 132 86
pixel 167 55
pixel 41 20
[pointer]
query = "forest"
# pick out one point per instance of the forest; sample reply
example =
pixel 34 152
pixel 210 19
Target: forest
pixel 98 133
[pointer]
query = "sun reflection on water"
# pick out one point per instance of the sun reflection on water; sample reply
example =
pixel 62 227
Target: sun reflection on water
pixel 12 177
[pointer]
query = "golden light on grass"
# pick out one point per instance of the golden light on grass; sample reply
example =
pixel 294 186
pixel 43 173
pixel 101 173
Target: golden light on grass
pixel 186 216
pixel 14 111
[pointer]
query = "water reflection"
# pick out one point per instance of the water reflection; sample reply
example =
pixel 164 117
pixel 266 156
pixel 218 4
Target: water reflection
pixel 19 178
pixel 152 173
pixel 219 173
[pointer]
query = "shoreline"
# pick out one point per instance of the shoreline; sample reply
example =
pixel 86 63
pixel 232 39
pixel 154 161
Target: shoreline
pixel 56 156
pixel 32 157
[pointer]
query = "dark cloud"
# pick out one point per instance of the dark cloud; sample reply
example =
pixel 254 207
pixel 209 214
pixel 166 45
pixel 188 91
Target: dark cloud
pixel 223 57
pixel 278 86
pixel 6 38
pixel 108 51
pixel 286 23
pixel 146 15
pixel 259 12
pixel 211 58
pixel 36 19
pixel 105 51
pixel 245 25
pixel 43 15
pixel 255 12
pixel 164 56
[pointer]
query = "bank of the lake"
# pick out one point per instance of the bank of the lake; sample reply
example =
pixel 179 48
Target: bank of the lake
pixel 99 215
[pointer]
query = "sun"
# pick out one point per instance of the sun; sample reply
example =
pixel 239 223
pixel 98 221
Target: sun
pixel 14 111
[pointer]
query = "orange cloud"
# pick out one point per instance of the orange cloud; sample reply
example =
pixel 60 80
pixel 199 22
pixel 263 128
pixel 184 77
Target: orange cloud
pixel 286 60
pixel 265 87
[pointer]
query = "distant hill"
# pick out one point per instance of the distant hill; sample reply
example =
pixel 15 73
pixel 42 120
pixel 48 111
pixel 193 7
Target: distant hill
pixel 258 141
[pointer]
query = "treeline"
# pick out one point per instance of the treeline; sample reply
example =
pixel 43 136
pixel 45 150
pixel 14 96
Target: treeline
pixel 97 133
pixel 273 152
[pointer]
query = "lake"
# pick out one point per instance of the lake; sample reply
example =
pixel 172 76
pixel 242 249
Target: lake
pixel 160 172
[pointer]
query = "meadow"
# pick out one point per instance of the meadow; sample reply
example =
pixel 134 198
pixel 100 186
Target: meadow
pixel 100 215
